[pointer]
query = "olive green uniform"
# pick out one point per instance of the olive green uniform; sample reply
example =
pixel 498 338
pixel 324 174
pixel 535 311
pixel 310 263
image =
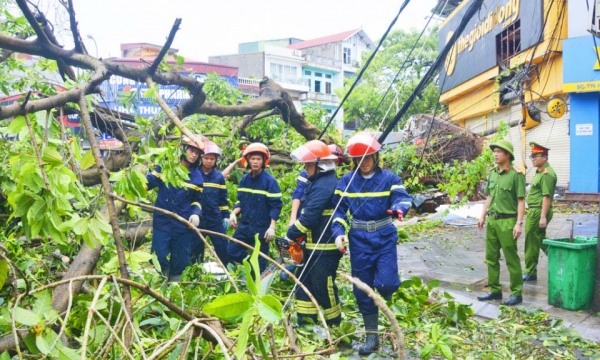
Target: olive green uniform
pixel 505 186
pixel 543 184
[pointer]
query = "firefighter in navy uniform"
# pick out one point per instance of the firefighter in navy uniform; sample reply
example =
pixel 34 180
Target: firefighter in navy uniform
pixel 372 196
pixel 259 204
pixel 215 205
pixel 321 255
pixel 301 183
pixel 171 238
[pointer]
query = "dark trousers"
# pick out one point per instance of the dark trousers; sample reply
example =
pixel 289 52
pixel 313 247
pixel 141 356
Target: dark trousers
pixel 219 243
pixel 379 271
pixel 319 278
pixel 237 252
pixel 173 250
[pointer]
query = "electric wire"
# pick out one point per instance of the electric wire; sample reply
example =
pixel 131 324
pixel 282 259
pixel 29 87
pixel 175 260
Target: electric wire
pixel 364 68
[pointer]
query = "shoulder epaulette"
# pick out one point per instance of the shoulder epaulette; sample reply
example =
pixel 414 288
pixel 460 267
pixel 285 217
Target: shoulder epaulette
pixel 545 170
pixel 515 168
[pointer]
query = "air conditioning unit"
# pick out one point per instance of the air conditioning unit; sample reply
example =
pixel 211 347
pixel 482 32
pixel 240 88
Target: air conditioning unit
pixel 302 97
pixel 297 52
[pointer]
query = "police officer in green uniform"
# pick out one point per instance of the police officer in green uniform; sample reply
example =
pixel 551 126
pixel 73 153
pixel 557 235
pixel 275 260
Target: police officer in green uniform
pixel 539 215
pixel 504 208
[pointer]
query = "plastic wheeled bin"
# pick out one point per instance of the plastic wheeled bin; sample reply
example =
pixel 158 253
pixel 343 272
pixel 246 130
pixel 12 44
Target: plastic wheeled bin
pixel 571 268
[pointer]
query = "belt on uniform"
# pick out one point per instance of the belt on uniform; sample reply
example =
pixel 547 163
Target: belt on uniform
pixel 496 216
pixel 535 207
pixel 372 225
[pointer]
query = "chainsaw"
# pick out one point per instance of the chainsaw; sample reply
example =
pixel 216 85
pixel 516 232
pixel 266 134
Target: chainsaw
pixel 290 253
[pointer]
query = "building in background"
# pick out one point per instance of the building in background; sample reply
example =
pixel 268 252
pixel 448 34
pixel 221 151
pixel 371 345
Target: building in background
pixel 309 70
pixel 581 77
pixel 507 66
pixel 143 54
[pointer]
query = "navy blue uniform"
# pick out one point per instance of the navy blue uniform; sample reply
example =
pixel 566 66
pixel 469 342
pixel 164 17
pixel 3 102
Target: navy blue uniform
pixel 322 256
pixel 171 237
pixel 215 207
pixel 259 198
pixel 373 254
pixel 301 182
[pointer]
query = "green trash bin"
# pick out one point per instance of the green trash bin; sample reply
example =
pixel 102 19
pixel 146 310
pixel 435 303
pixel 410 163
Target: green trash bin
pixel 571 268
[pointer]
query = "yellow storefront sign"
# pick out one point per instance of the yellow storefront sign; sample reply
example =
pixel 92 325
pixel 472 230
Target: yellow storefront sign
pixel 582 86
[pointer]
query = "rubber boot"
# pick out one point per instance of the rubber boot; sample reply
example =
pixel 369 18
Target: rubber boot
pixel 372 341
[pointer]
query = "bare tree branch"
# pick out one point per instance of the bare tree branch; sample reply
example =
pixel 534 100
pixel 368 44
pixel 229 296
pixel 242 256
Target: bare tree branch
pixel 74 29
pixel 35 25
pixel 165 48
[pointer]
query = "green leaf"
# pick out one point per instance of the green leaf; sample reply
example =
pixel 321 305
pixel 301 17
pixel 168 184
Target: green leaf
pixel 5 356
pixel 446 352
pixel 65 353
pixel 81 226
pixel 254 263
pixel 139 181
pixel 425 353
pixel 16 125
pixel 229 305
pixel 22 205
pixel 433 283
pixel 43 305
pixel 250 284
pixel 52 156
pixel 3 272
pixel 270 309
pixel 242 339
pixel 37 210
pixel 42 344
pixel 26 317
pixel 87 161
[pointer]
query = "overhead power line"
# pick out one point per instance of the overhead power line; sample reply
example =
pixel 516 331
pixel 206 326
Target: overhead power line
pixel 360 74
pixel 429 75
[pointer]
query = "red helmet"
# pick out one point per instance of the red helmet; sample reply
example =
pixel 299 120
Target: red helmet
pixel 362 144
pixel 189 142
pixel 212 148
pixel 258 148
pixel 312 151
pixel 337 151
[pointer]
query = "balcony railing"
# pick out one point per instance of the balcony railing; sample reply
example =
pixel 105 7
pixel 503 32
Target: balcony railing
pixel 323 60
pixel 247 81
pixel 315 96
pixel 289 80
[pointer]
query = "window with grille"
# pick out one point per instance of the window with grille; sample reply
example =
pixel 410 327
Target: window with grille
pixel 508 42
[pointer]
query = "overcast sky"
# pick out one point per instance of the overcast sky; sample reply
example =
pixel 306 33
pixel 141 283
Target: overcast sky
pixel 216 27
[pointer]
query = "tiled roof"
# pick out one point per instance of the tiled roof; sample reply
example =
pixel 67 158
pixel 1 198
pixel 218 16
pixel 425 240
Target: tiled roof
pixel 323 40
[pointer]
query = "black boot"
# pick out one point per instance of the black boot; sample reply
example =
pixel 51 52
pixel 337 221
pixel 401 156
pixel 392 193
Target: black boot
pixel 372 341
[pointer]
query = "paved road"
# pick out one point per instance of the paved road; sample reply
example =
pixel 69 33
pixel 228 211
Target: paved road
pixel 455 256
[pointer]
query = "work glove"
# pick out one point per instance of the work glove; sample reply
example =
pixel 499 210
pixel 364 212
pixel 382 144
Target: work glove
pixel 225 223
pixel 232 220
pixel 270 233
pixel 194 220
pixel 341 242
pixel 397 213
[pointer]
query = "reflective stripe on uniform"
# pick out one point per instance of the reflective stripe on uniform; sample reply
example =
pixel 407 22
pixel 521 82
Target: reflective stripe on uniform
pixel 157 174
pixel 342 221
pixel 394 187
pixel 364 194
pixel 303 229
pixel 259 192
pixel 197 204
pixel 214 185
pixel 333 312
pixel 192 186
pixel 311 246
pixel 327 212
pixel 330 291
pixel 305 307
pixel 301 178
pixel 223 207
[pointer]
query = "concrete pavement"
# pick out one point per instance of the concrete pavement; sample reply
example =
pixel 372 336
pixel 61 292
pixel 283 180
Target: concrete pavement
pixel 455 256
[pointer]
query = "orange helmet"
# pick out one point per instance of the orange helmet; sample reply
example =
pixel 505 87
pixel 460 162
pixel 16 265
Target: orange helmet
pixel 312 151
pixel 362 144
pixel 257 148
pixel 189 142
pixel 337 151
pixel 212 148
